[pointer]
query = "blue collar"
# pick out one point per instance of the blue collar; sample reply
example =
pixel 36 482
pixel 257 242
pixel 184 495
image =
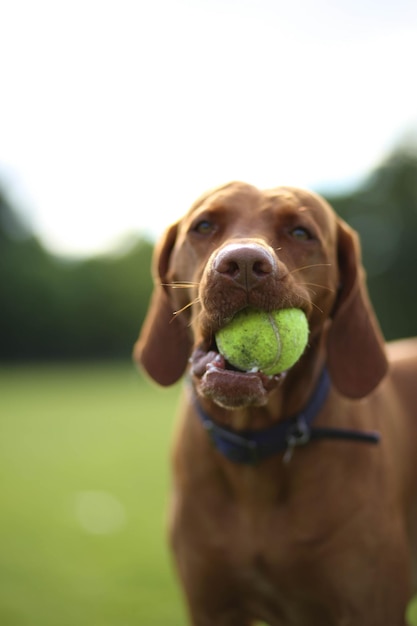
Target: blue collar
pixel 252 446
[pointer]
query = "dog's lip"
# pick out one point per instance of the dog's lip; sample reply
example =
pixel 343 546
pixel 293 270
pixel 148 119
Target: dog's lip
pixel 230 388
pixel 202 359
pixel 208 360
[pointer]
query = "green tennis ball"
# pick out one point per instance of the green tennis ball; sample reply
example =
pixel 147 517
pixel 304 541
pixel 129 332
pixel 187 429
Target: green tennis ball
pixel 257 340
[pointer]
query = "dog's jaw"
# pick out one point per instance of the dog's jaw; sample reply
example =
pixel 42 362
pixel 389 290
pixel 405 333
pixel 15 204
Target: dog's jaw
pixel 227 387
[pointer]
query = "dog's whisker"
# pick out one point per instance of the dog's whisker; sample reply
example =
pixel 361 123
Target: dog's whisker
pixel 306 267
pixel 320 286
pixel 311 290
pixel 312 303
pixel 317 307
pixel 184 308
pixel 180 284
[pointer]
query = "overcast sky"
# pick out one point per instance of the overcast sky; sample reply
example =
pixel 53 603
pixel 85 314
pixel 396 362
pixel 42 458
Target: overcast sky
pixel 115 115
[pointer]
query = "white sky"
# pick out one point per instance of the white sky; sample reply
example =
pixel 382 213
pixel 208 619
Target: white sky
pixel 116 114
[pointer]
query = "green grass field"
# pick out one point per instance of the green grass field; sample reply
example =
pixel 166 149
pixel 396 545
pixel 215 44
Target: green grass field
pixel 84 481
pixel 84 485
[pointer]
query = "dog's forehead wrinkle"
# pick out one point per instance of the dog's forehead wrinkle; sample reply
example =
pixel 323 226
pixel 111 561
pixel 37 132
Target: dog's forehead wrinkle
pixel 237 192
pixel 225 195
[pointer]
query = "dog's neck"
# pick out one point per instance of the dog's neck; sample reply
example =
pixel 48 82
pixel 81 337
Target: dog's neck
pixel 290 397
pixel 244 439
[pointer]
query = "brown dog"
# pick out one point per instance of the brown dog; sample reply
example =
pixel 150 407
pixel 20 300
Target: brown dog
pixel 295 496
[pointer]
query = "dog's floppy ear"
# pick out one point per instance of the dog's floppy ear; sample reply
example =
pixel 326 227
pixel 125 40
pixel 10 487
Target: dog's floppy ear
pixel 164 343
pixel 355 346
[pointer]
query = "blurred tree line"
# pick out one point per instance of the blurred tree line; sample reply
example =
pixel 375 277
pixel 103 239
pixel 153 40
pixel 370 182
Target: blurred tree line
pixel 384 212
pixel 53 308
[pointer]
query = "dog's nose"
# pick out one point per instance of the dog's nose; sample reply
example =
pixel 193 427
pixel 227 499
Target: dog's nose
pixel 246 264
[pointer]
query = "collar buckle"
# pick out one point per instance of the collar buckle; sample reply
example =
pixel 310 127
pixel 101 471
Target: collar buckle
pixel 299 434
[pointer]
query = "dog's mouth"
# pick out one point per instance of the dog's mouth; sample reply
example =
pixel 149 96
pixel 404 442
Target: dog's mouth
pixel 218 380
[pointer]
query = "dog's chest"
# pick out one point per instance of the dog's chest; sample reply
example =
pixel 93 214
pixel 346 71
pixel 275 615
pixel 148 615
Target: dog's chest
pixel 280 565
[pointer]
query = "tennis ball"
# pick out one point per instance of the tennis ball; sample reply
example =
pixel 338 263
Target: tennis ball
pixel 267 341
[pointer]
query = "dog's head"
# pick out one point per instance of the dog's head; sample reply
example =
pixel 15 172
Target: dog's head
pixel 241 247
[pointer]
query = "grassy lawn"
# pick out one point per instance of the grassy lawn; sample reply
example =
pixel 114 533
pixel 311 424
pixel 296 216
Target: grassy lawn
pixel 84 482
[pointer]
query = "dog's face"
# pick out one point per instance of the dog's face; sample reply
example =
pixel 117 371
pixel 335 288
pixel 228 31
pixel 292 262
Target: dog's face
pixel 239 247
pixel 242 247
pixel 289 236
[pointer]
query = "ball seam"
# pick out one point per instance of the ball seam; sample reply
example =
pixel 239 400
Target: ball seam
pixel 275 329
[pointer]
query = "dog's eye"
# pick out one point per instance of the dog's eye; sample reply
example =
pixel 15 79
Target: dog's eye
pixel 300 233
pixel 204 227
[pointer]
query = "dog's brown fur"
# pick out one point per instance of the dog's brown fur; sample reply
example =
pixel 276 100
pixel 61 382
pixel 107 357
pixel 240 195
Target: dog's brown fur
pixel 327 539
